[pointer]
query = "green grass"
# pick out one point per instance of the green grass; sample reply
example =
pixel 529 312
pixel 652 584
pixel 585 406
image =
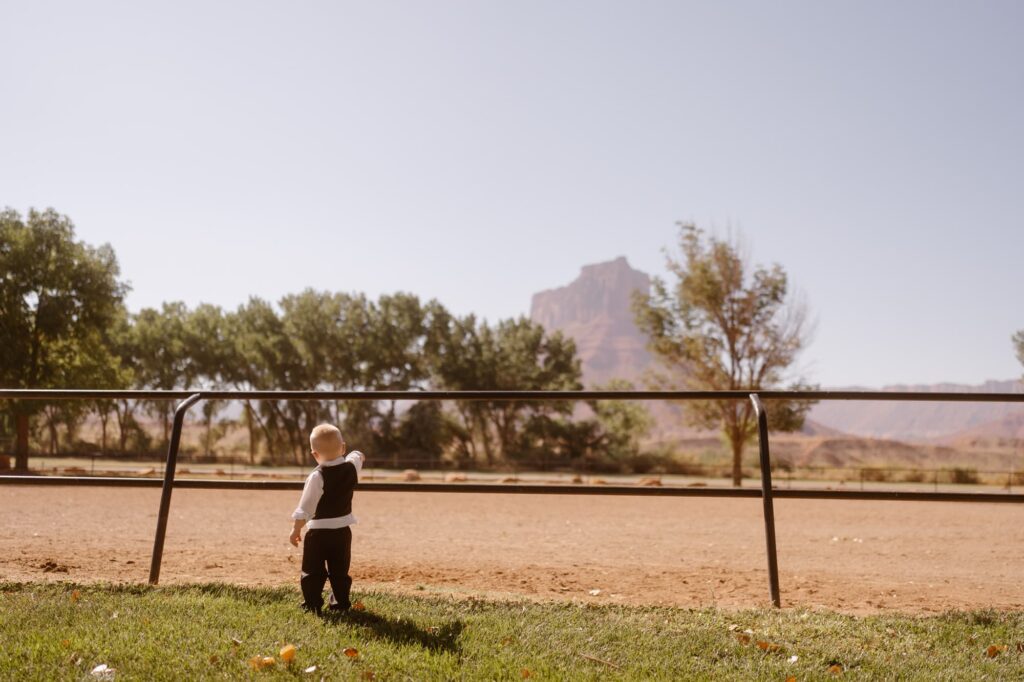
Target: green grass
pixel 62 631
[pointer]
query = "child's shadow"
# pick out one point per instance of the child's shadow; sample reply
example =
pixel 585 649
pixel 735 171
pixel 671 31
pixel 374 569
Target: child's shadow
pixel 443 638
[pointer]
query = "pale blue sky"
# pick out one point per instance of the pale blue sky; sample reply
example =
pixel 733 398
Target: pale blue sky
pixel 478 152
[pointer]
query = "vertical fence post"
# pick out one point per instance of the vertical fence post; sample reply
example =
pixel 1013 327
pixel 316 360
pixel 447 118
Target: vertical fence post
pixel 165 496
pixel 766 498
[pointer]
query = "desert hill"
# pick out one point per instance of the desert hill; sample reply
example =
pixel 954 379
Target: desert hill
pixel 922 421
pixel 595 310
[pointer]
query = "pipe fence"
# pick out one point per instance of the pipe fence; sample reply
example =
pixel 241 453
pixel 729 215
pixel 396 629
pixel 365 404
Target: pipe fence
pixel 767 493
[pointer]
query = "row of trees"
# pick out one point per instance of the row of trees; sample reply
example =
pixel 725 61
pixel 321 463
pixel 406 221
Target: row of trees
pixel 63 324
pixel 721 324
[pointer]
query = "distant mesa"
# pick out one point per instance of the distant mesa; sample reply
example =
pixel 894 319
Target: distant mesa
pixel 595 310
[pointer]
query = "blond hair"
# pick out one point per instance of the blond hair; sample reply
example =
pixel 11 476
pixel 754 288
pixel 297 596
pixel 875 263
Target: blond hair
pixel 326 440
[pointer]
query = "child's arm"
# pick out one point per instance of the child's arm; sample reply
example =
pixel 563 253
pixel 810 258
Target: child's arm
pixel 296 537
pixel 311 493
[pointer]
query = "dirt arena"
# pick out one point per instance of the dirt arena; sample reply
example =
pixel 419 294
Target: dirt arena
pixel 857 557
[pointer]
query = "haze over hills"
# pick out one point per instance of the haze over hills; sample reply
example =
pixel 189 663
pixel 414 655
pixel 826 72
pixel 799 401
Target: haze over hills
pixel 595 310
pixel 926 421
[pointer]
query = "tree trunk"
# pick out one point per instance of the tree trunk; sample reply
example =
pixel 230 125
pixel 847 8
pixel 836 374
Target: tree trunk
pixel 21 442
pixel 737 459
pixel 103 433
pixel 250 423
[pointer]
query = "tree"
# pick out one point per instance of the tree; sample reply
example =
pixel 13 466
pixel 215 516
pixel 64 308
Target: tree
pixel 57 296
pixel 514 355
pixel 622 423
pixel 162 357
pixel 725 326
pixel 1018 341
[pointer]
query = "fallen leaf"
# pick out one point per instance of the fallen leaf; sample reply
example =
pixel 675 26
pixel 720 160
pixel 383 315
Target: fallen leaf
pixel 524 673
pixel 995 650
pixel 358 606
pixel 767 646
pixel 742 638
pixel 835 669
pixel 261 662
pixel 351 653
pixel 506 641
pixel 65 643
pixel 75 596
pixel 288 653
pixel 791 678
pixel 214 658
pixel 236 641
pixel 310 669
pixel 1020 647
pixel 103 672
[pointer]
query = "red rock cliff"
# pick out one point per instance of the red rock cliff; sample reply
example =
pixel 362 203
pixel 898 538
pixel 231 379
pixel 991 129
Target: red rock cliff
pixel 595 310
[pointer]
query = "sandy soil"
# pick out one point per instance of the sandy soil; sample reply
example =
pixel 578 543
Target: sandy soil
pixel 857 557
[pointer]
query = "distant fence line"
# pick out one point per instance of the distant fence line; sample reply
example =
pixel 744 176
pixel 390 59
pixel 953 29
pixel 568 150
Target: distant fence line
pixel 766 493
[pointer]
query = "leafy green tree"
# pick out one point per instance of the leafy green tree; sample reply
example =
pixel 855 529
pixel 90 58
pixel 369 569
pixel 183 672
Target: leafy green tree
pixel 57 295
pixel 724 326
pixel 162 357
pixel 623 423
pixel 207 350
pixel 513 355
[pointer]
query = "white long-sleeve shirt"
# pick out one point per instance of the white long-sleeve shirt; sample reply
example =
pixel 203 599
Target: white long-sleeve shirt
pixel 314 490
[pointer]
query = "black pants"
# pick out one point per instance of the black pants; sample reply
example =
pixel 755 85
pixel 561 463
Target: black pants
pixel 326 553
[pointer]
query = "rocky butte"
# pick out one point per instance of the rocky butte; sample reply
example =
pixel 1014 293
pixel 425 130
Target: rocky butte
pixel 596 311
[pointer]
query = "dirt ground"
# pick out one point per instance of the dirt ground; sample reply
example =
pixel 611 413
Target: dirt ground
pixel 857 557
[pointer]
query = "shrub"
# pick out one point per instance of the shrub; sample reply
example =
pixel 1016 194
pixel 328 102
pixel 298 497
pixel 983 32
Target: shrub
pixel 875 475
pixel 914 476
pixel 963 476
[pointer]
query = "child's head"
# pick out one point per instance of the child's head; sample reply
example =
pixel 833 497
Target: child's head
pixel 326 443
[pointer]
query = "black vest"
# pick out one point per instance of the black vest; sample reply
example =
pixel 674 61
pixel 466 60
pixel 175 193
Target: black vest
pixel 339 482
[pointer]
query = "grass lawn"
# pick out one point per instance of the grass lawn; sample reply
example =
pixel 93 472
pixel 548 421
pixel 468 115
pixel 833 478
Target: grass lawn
pixel 65 631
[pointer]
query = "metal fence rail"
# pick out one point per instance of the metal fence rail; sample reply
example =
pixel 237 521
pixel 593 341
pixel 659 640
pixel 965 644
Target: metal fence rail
pixel 766 493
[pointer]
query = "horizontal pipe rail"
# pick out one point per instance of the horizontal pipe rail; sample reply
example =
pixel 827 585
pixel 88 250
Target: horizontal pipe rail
pixel 526 489
pixel 41 394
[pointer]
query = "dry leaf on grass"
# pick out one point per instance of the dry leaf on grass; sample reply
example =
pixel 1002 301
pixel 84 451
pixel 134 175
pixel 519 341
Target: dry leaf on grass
pixel 358 606
pixel 103 672
pixel 791 678
pixel 261 662
pixel 75 596
pixel 835 669
pixel 767 646
pixel 351 653
pixel 524 673
pixel 214 658
pixel 288 653
pixel 995 650
pixel 743 638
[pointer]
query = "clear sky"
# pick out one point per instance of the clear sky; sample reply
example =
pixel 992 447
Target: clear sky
pixel 480 151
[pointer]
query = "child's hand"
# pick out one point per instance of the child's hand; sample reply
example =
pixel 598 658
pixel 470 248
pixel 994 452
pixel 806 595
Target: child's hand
pixel 295 538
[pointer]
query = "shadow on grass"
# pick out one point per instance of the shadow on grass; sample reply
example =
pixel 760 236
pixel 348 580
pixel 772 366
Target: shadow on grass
pixel 444 638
